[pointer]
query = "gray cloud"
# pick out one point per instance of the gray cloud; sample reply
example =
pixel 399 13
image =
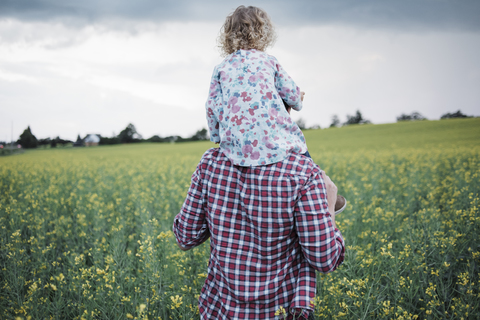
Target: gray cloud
pixel 461 15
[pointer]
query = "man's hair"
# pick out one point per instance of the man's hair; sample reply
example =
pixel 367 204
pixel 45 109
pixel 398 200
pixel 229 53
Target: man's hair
pixel 246 28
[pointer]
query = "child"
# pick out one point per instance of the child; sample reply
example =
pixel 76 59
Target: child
pixel 248 90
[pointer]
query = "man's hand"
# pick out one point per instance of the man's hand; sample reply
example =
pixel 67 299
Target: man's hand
pixel 302 94
pixel 331 195
pixel 182 248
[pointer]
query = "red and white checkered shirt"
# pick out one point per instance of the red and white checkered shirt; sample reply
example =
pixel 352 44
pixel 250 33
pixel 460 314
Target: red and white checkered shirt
pixel 269 230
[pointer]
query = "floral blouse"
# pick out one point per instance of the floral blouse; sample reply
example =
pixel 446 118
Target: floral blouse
pixel 245 112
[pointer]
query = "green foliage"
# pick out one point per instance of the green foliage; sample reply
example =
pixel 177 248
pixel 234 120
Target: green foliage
pixel 457 114
pixel 335 121
pixel 301 124
pixel 58 141
pixel 200 135
pixel 129 134
pixel 108 141
pixel 356 119
pixel 7 150
pixel 27 139
pixel 156 138
pixel 414 116
pixel 79 142
pixel 85 233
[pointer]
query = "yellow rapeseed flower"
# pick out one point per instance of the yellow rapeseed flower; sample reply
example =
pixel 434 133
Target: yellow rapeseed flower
pixel 176 301
pixel 280 311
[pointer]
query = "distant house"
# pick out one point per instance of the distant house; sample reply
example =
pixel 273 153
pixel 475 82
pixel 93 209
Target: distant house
pixel 92 140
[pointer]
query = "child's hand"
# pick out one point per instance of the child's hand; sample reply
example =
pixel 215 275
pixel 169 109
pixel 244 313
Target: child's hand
pixel 290 108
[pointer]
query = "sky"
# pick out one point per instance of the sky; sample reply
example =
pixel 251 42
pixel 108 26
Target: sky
pixel 71 68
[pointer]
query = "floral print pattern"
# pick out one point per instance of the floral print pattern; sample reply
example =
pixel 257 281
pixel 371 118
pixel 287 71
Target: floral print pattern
pixel 245 112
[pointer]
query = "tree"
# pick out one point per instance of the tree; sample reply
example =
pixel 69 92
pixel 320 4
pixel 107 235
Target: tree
pixel 156 138
pixel 200 135
pixel 335 121
pixel 356 119
pixel 27 139
pixel 129 134
pixel 411 117
pixel 107 141
pixel 301 124
pixel 58 140
pixel 173 139
pixel 44 142
pixel 53 142
pixel 79 142
pixel 457 114
pixel 63 142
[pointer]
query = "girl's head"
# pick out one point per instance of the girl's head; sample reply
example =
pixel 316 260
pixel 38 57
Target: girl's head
pixel 246 28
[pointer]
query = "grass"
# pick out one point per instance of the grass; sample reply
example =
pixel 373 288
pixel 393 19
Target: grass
pixel 85 233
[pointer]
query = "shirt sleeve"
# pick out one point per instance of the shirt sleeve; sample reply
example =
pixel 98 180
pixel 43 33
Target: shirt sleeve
pixel 322 244
pixel 214 102
pixel 190 225
pixel 286 88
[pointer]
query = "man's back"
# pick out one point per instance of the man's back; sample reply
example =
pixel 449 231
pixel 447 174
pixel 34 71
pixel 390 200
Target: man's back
pixel 270 230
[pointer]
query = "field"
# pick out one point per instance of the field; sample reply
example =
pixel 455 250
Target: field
pixel 86 233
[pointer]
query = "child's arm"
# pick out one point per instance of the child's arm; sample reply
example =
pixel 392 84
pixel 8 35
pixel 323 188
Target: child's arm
pixel 214 102
pixel 302 94
pixel 287 89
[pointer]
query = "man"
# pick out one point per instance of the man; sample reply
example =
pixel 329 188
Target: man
pixel 270 228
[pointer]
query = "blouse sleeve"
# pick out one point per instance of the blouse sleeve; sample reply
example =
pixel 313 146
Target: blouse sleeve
pixel 286 87
pixel 214 102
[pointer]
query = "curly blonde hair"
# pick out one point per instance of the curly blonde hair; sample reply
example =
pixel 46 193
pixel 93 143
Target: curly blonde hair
pixel 246 28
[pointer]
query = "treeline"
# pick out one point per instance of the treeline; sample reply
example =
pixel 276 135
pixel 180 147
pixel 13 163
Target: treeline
pixel 414 116
pixel 128 135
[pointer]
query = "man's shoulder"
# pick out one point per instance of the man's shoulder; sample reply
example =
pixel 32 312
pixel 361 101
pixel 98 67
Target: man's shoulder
pixel 299 164
pixel 294 164
pixel 213 155
pixel 210 153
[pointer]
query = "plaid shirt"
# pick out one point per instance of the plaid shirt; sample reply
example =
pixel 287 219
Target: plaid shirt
pixel 269 230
